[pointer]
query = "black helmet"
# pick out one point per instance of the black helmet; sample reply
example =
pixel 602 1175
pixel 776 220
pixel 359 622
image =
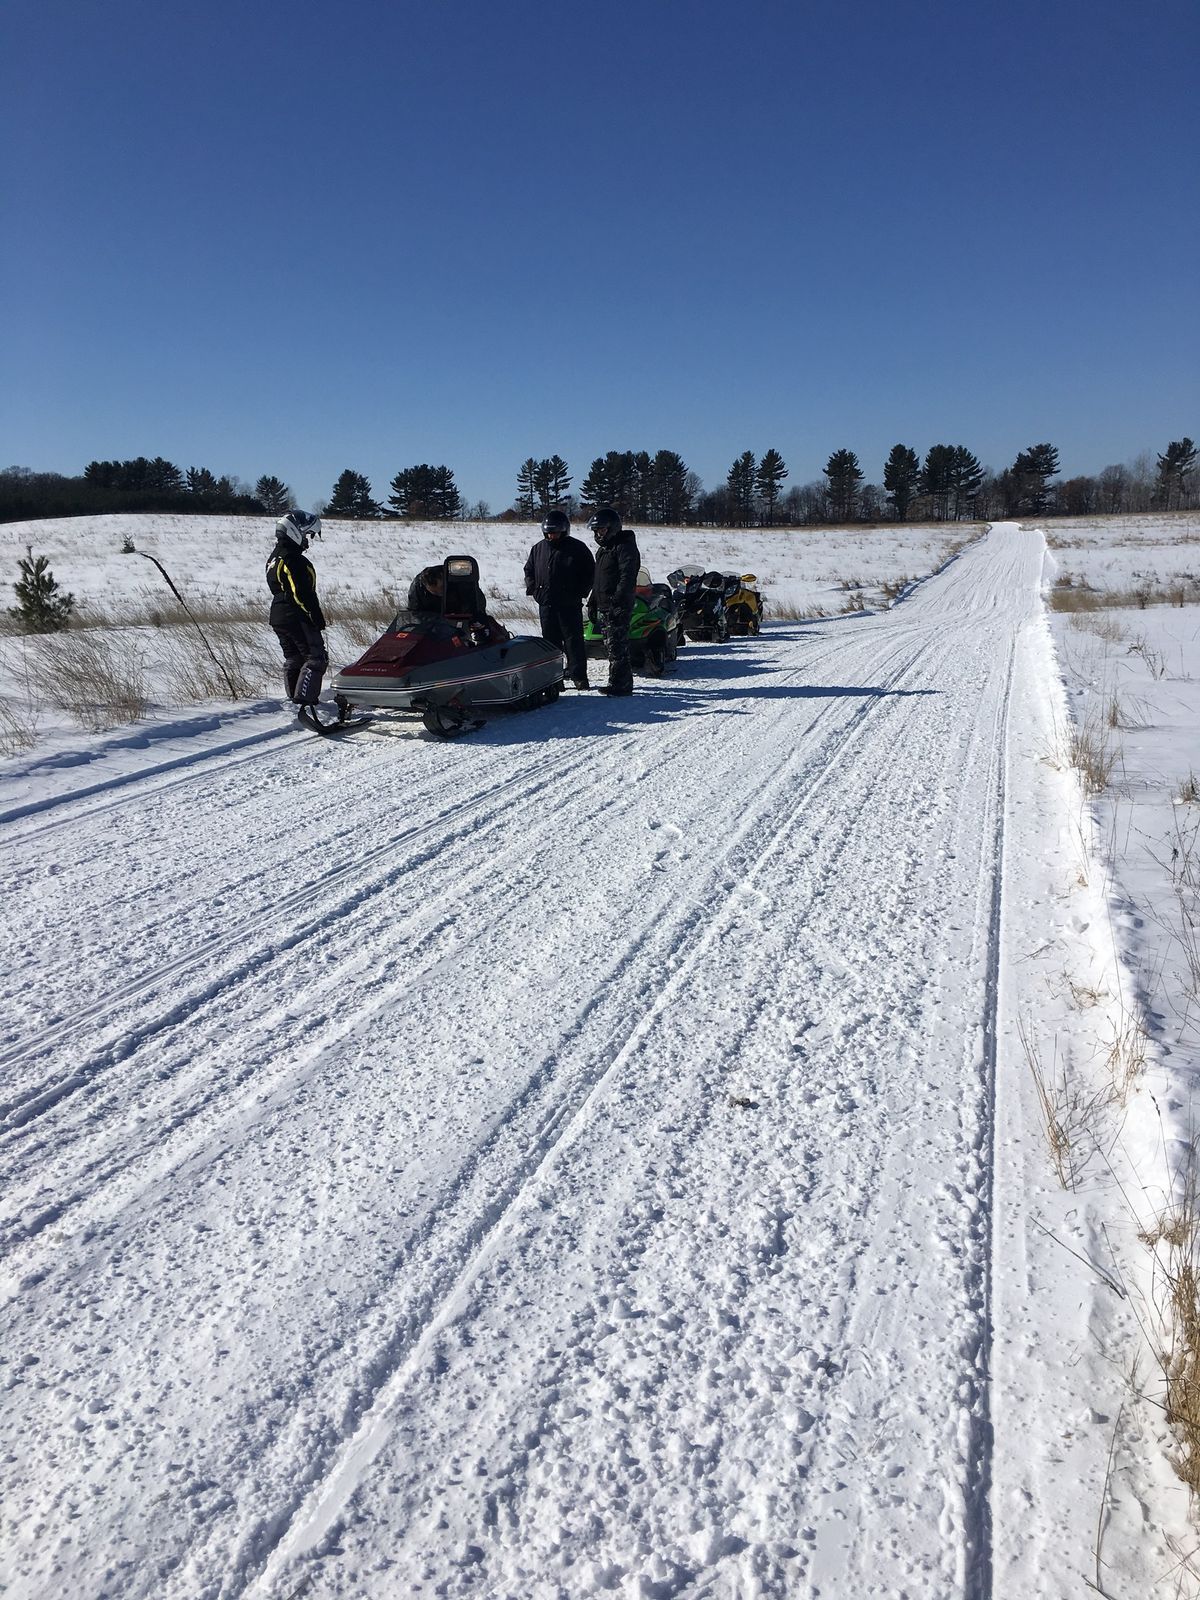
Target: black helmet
pixel 556 522
pixel 300 526
pixel 605 523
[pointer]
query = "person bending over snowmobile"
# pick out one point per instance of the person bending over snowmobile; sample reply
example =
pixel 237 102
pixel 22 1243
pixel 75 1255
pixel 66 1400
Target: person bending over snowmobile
pixel 427 588
pixel 558 574
pixel 296 614
pixel 617 563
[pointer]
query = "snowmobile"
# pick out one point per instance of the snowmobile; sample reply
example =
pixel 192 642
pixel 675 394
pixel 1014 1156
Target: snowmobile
pixel 447 666
pixel 744 604
pixel 701 599
pixel 654 636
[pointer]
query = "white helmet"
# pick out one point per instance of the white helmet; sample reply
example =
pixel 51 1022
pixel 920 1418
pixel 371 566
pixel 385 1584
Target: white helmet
pixel 300 526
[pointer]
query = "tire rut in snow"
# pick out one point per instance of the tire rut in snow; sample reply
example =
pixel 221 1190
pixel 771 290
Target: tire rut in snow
pixel 539 1132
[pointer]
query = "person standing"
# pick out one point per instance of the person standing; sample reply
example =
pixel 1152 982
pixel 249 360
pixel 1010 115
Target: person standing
pixel 617 562
pixel 296 614
pixel 558 574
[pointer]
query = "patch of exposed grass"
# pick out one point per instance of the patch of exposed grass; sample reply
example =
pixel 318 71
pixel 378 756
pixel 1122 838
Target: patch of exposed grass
pixel 1071 594
pixel 1094 755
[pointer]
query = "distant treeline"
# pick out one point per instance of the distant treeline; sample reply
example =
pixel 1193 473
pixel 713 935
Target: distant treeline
pixel 948 484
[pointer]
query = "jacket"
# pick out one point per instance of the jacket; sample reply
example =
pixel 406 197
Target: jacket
pixel 292 580
pixel 559 571
pixel 618 561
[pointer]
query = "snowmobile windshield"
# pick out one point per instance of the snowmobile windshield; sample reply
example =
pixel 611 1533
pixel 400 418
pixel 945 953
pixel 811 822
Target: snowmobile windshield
pixel 429 623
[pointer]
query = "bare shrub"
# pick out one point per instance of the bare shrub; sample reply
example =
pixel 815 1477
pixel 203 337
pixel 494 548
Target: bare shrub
pixel 98 680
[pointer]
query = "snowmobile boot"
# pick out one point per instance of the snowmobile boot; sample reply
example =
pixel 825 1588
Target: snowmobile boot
pixel 612 692
pixel 580 683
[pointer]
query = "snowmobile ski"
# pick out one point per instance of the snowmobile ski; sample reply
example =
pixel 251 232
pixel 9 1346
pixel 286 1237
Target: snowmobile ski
pixel 343 722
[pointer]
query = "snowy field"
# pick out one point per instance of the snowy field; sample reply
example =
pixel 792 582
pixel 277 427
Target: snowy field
pixel 810 569
pixel 601 1156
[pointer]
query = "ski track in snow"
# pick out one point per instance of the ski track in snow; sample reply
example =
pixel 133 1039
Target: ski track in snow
pixel 552 1164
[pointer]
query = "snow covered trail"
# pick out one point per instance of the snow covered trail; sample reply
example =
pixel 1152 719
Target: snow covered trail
pixel 553 1163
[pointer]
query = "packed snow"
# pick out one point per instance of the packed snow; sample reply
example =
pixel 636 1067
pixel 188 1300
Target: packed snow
pixel 596 1156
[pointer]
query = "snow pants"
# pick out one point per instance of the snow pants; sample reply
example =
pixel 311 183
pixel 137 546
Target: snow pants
pixel 615 625
pixel 304 656
pixel 562 624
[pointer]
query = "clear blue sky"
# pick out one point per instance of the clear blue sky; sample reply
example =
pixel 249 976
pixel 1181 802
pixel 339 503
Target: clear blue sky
pixel 297 237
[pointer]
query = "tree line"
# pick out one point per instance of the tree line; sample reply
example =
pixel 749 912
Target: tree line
pixel 948 484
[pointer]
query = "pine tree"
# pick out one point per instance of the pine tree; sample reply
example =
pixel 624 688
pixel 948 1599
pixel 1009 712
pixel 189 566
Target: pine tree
pixel 273 495
pixel 542 474
pixel 526 491
pixel 40 605
pixel 560 479
pixel 352 497
pixel 901 475
pixel 966 476
pixel 844 476
pixel 768 481
pixel 201 483
pixel 1033 470
pixel 426 493
pixel 1175 466
pixel 672 491
pixel 740 482
pixel 936 474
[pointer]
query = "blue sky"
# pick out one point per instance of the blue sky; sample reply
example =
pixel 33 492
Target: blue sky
pixel 293 238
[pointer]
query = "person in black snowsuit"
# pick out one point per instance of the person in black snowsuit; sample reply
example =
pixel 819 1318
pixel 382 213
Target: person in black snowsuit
pixel 558 574
pixel 296 614
pixel 618 560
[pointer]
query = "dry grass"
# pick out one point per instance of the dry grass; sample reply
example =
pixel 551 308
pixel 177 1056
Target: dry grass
pixel 1072 1117
pixel 1188 792
pixel 1094 755
pixel 1074 595
pixel 1110 629
pixel 1174 1239
pixel 100 682
pixel 783 611
pixel 1126 1059
pixel 18 729
pixel 245 665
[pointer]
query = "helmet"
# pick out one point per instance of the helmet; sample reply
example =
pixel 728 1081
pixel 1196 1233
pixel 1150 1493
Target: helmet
pixel 300 526
pixel 556 522
pixel 604 523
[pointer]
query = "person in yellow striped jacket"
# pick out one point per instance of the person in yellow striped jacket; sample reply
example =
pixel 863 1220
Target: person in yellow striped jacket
pixel 296 614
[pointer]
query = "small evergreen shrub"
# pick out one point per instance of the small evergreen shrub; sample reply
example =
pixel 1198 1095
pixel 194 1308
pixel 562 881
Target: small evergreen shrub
pixel 41 606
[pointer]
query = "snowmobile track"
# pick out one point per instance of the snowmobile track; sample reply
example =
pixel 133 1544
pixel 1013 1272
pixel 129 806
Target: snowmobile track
pixel 32 1213
pixel 553 1126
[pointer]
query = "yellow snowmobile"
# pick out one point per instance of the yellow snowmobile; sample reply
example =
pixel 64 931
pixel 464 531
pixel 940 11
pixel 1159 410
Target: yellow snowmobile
pixel 744 606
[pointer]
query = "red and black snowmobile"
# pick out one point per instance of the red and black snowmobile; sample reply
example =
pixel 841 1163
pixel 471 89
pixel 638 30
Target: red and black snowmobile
pixel 447 666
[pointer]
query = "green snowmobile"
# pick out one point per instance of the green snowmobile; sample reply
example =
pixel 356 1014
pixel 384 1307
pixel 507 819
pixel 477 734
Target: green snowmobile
pixel 653 629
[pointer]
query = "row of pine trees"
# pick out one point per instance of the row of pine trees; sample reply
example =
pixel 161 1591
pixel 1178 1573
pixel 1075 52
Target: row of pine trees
pixel 948 484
